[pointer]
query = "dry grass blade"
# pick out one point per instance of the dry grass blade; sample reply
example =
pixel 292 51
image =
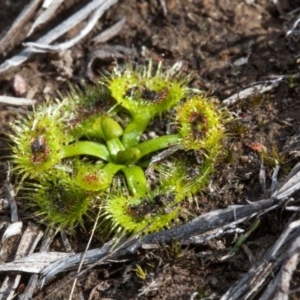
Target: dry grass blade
pixel 110 32
pixel 291 184
pixel 258 88
pixel 164 7
pixel 16 101
pixel 31 285
pixel 72 261
pixel 282 287
pixel 46 15
pixel 262 177
pixel 28 243
pixel 218 232
pixel 274 177
pixel 39 47
pixel 12 201
pixel 66 242
pixel 84 254
pixel 292 31
pixel 217 219
pixel 19 23
pixel 55 33
pixel 34 262
pixel 252 283
pixel 13 229
pixel 106 257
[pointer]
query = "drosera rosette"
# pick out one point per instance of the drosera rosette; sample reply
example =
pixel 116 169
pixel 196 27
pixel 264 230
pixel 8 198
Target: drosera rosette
pixel 81 156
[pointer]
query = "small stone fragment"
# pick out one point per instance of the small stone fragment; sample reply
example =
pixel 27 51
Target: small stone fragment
pixel 18 86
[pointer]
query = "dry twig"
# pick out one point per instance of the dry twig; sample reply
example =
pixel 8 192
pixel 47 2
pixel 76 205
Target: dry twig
pixel 19 23
pixel 31 285
pixel 110 32
pixel 16 101
pixel 217 220
pixel 46 15
pixel 28 243
pixel 251 284
pixel 257 88
pixel 44 47
pixel 57 32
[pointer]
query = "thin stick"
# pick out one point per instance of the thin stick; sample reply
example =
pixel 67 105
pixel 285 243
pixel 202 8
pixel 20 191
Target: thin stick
pixel 39 47
pixel 12 201
pixel 110 32
pixel 19 23
pixel 84 254
pixel 56 32
pixel 258 88
pixel 46 15
pixel 16 101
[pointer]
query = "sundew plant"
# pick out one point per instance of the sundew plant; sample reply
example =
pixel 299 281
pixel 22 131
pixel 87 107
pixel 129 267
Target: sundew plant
pixel 136 145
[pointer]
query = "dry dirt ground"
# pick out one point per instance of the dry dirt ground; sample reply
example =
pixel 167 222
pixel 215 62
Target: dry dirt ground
pixel 230 45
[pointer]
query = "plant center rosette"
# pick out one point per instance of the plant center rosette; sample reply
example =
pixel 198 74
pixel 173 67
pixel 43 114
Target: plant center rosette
pixel 137 150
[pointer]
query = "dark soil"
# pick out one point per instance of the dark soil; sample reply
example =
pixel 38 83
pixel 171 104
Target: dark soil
pixel 211 37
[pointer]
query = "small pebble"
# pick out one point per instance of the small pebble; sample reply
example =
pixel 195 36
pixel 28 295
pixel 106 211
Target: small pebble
pixel 18 86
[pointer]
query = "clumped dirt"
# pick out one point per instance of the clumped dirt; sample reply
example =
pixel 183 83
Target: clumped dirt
pixel 229 45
